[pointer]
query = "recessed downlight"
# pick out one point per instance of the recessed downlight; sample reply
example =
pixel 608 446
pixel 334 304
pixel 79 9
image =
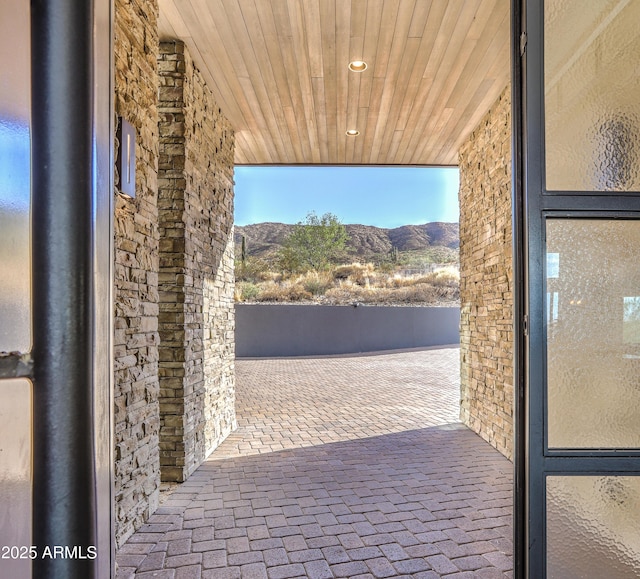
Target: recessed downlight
pixel 358 65
pixel 352 133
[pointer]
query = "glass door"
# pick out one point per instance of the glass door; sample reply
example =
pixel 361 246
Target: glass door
pixel 579 116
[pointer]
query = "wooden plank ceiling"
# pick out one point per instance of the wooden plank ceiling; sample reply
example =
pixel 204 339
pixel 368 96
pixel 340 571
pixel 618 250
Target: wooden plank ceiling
pixel 279 71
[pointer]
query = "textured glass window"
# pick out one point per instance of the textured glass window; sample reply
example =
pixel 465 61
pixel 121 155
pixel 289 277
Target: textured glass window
pixel 15 475
pixel 15 331
pixel 592 110
pixel 592 527
pixel 593 333
pixel 15 308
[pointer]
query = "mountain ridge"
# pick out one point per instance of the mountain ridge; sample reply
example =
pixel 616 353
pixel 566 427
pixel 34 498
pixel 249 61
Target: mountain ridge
pixel 263 240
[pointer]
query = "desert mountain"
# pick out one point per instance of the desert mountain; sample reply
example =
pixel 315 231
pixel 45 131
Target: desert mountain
pixel 365 241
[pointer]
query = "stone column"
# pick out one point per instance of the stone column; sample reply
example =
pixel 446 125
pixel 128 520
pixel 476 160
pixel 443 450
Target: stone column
pixel 197 387
pixel 137 415
pixel 486 278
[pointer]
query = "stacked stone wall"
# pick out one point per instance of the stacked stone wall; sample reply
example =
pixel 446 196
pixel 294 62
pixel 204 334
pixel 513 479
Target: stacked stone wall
pixel 197 388
pixel 486 278
pixel 137 422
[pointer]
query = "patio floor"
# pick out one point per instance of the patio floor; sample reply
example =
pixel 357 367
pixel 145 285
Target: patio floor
pixel 353 466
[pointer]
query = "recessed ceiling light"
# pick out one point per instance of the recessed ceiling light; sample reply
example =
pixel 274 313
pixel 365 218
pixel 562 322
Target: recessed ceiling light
pixel 353 133
pixel 357 65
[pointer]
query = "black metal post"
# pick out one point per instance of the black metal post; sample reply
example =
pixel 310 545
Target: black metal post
pixel 64 500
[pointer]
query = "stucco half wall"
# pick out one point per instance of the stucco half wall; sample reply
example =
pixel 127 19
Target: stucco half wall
pixel 272 330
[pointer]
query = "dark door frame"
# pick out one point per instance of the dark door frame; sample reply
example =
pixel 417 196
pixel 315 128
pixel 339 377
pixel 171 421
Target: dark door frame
pixel 532 205
pixel 518 47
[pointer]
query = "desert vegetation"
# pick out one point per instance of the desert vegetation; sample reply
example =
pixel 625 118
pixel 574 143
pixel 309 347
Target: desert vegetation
pixel 313 263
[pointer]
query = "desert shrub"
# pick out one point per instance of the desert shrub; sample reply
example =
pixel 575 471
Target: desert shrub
pixel 344 283
pixel 316 283
pixel 398 281
pixel 447 276
pixel 356 272
pixel 402 281
pixel 274 276
pixel 386 266
pixel 253 269
pixel 348 283
pixel 283 292
pixel 347 294
pixel 314 243
pixel 414 280
pixel 420 292
pixel 416 293
pixel 428 293
pixel 356 293
pixel 246 291
pixel 428 256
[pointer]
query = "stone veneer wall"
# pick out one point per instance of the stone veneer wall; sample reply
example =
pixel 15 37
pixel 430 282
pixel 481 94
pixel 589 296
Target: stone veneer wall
pixel 486 278
pixel 137 421
pixel 197 387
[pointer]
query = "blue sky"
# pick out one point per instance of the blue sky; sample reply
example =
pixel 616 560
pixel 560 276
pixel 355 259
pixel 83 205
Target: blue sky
pixel 380 196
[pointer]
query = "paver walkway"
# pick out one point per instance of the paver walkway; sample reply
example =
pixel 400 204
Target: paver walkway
pixel 352 467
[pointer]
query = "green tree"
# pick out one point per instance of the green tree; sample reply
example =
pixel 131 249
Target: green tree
pixel 314 243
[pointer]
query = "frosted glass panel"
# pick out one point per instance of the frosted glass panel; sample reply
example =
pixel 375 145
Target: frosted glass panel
pixel 593 333
pixel 15 332
pixel 592 527
pixel 15 474
pixel 592 110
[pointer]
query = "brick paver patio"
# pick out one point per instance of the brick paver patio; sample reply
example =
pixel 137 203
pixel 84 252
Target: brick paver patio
pixel 350 467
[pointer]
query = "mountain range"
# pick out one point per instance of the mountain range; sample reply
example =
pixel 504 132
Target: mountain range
pixel 365 241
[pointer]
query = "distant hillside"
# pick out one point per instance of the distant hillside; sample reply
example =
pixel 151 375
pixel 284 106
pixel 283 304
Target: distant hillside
pixel 365 242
